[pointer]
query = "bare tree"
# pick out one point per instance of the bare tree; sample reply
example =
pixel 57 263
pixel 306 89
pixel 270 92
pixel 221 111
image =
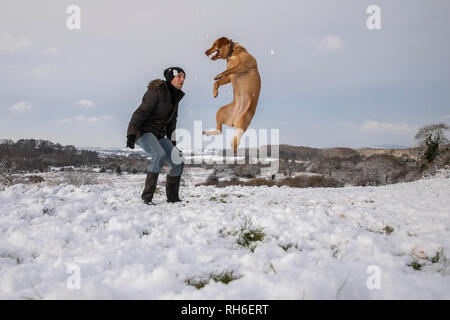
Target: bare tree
pixel 430 138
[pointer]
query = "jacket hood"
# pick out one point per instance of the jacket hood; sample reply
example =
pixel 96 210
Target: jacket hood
pixel 158 83
pixel 155 84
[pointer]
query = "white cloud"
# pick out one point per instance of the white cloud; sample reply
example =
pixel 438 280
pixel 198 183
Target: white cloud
pixel 10 43
pixel 446 117
pixel 371 125
pixel 329 43
pixel 85 103
pixel 83 118
pixel 21 106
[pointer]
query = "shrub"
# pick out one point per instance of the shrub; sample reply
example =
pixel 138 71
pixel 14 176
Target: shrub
pixel 296 182
pixel 304 181
pixel 257 182
pixel 430 138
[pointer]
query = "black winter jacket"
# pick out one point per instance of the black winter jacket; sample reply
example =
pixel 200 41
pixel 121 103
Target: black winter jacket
pixel 157 113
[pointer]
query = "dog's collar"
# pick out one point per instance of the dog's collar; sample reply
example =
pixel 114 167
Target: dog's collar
pixel 231 49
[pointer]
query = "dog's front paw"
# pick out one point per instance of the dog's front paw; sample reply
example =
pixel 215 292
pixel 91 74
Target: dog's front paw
pixel 215 91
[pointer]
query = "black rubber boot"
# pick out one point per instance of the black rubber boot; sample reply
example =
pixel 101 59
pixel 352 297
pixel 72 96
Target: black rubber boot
pixel 172 187
pixel 150 187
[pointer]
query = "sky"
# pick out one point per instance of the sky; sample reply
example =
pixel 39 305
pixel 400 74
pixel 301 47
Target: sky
pixel 328 80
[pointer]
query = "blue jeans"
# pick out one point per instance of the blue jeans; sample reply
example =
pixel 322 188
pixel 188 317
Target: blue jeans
pixel 161 150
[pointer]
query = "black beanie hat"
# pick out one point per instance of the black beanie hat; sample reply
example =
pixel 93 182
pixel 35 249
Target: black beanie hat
pixel 171 72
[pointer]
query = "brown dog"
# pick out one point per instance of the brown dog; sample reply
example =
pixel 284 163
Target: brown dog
pixel 242 72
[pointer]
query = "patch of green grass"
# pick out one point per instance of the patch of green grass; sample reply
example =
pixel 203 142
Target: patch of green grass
pixel 289 245
pixel 249 234
pixel 271 267
pixel 388 229
pixel 374 231
pixel 436 258
pixel 225 277
pixel 201 281
pixel 439 256
pixel 197 283
pixel 221 198
pixel 415 265
pixel 335 250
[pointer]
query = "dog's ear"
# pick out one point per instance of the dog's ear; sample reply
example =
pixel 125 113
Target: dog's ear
pixel 223 41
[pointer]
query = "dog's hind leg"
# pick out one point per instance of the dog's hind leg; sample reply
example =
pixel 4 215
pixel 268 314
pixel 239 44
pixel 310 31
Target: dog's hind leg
pixel 223 116
pixel 241 124
pixel 236 139
pixel 212 133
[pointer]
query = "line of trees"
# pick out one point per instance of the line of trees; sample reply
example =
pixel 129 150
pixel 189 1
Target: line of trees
pixel 27 155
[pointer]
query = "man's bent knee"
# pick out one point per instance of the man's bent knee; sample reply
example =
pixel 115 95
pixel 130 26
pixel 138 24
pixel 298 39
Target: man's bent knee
pixel 177 170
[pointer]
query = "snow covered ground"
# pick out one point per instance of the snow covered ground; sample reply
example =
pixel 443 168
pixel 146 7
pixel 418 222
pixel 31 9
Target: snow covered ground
pixel 60 241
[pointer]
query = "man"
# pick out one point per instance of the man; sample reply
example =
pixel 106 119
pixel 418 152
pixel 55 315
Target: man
pixel 152 128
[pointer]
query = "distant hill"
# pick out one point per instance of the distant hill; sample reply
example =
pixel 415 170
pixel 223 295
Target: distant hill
pixel 389 146
pixel 366 166
pixel 285 151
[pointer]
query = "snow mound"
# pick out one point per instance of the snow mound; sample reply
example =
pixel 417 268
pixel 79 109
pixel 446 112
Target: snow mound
pixel 100 241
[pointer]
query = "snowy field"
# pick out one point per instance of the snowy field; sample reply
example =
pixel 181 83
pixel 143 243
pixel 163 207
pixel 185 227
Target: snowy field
pixel 60 241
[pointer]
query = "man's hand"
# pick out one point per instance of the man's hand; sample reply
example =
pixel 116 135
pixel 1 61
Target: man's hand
pixel 131 139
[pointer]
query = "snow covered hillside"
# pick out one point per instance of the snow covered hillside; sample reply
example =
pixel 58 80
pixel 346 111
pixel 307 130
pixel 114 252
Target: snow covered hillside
pixel 59 241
